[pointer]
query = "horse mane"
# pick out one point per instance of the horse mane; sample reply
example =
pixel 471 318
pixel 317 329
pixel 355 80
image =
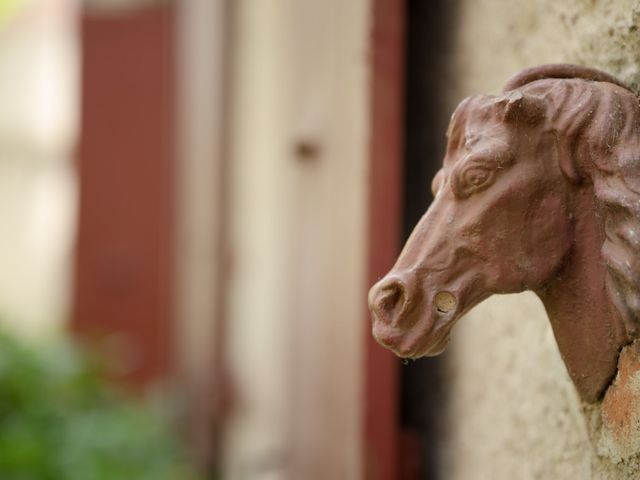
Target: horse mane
pixel 597 119
pixel 560 70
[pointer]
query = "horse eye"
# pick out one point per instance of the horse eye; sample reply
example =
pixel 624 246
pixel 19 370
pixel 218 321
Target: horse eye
pixel 473 179
pixel 476 176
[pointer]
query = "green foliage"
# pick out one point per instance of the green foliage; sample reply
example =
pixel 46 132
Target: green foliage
pixel 59 421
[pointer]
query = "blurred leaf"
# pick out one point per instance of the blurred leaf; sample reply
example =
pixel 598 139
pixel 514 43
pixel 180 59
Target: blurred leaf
pixel 59 421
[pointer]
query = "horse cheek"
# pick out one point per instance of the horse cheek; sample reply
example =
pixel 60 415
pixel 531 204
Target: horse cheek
pixel 547 239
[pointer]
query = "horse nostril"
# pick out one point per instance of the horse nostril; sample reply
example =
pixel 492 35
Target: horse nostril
pixel 389 302
pixel 390 298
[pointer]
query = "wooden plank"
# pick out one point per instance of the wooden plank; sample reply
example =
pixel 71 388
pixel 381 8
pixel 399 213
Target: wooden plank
pixel 123 253
pixel 385 215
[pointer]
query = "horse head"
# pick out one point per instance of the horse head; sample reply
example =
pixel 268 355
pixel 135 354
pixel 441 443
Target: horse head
pixel 517 206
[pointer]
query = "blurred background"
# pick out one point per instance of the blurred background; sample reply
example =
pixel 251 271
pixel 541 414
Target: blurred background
pixel 195 196
pixel 185 193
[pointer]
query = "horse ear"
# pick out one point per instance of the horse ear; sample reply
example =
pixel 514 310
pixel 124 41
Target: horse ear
pixel 519 107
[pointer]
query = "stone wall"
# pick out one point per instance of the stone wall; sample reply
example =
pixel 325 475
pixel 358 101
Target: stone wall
pixel 512 411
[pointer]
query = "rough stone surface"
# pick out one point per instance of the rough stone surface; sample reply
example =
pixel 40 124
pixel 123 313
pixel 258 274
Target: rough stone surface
pixel 620 426
pixel 513 411
pixel 496 39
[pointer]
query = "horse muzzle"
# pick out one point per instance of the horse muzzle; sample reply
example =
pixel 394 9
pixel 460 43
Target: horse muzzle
pixel 409 321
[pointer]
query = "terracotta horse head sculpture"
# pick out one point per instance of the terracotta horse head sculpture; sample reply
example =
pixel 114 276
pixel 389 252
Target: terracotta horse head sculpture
pixel 539 190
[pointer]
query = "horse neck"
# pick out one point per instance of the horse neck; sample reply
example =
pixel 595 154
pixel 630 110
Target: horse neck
pixel 587 328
